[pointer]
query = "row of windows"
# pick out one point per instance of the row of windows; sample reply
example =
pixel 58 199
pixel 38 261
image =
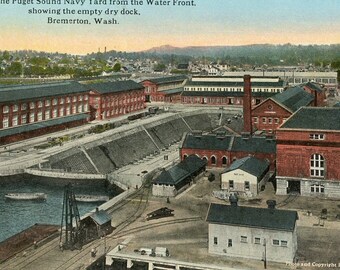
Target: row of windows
pixel 122 101
pixel 256 240
pixel 304 80
pixel 316 136
pixel 121 110
pixel 40 103
pixel 232 89
pixel 268 120
pixel 246 185
pixel 213 159
pixel 39 116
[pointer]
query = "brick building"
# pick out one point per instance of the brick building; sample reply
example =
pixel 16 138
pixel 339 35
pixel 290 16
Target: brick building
pixel 112 99
pixel 221 151
pixel 308 151
pixel 317 91
pixel 228 90
pixel 164 89
pixel 31 110
pixel 271 113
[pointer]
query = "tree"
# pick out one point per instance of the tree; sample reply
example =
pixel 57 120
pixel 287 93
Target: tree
pixel 15 69
pixel 117 67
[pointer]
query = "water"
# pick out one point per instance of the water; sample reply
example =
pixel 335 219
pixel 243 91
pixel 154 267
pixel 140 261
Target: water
pixel 16 216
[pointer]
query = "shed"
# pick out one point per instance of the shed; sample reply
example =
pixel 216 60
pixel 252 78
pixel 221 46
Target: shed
pixel 96 225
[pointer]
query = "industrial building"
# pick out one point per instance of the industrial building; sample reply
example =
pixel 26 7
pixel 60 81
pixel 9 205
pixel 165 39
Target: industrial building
pixel 308 150
pixel 228 90
pixel 266 234
pixel 164 89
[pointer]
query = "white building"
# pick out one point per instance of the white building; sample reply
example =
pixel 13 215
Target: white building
pixel 246 176
pixel 255 233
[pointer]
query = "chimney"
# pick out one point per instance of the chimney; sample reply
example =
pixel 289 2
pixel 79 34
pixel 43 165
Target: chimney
pixel 247 104
pixel 233 200
pixel 271 204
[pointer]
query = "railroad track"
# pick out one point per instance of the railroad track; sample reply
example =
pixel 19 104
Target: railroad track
pixel 291 197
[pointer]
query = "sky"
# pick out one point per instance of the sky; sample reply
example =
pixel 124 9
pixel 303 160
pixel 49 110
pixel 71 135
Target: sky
pixel 208 23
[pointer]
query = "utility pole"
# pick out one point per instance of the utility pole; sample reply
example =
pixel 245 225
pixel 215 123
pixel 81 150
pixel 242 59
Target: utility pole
pixel 265 254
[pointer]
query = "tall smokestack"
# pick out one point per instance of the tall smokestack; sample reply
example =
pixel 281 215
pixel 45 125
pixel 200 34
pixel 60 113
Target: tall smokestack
pixel 247 104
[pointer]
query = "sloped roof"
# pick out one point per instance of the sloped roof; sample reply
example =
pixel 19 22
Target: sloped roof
pixel 318 118
pixel 22 92
pixel 278 84
pixel 230 143
pixel 113 87
pixel 314 86
pixel 273 219
pixel 250 165
pixel 294 98
pixel 209 141
pixel 170 79
pixel 101 217
pixel 173 91
pixel 181 171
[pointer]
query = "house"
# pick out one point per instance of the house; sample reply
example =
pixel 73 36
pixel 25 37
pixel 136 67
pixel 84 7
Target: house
pixel 253 233
pixel 308 151
pixel 112 99
pixel 172 181
pixel 245 176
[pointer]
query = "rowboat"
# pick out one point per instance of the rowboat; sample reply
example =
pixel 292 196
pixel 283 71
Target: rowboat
pixel 26 196
pixel 91 198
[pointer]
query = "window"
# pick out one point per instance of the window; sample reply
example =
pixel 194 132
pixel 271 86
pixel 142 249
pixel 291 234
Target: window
pixel 264 120
pixel 55 113
pixel 15 108
pixel 257 240
pixel 5 109
pixel 32 117
pixel 213 160
pixel 316 136
pixel 231 184
pixel 55 101
pixel 61 111
pixel 270 120
pixel 68 99
pixel 62 100
pixel 5 122
pixel 32 105
pixel 244 239
pixel 284 243
pixel 40 103
pixel 276 120
pixel 47 102
pixel 47 114
pixel 256 120
pixel 215 241
pixel 23 119
pixel 14 120
pixel 276 242
pixel 23 106
pixel 317 165
pixel 39 116
pixel 224 161
pixel 317 188
pixel 230 242
pixel 246 185
pixel 68 110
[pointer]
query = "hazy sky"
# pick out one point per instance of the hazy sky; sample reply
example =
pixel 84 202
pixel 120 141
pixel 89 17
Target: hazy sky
pixel 210 22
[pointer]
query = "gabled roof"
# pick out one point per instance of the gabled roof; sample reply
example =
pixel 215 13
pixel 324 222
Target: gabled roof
pixel 250 165
pixel 273 219
pixel 181 171
pixel 293 98
pixel 165 80
pixel 209 141
pixel 314 118
pixel 23 92
pixel 113 87
pixel 173 91
pixel 101 217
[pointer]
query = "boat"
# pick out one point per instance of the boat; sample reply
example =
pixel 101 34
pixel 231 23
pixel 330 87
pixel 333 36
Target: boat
pixel 26 196
pixel 91 198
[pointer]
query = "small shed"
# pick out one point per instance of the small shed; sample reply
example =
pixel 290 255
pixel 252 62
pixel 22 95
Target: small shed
pixel 96 225
pixel 245 175
pixel 170 182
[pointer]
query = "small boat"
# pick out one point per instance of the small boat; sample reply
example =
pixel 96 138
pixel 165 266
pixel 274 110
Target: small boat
pixel 91 198
pixel 26 196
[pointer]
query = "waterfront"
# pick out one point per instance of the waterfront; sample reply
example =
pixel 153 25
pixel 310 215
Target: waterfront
pixel 19 215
